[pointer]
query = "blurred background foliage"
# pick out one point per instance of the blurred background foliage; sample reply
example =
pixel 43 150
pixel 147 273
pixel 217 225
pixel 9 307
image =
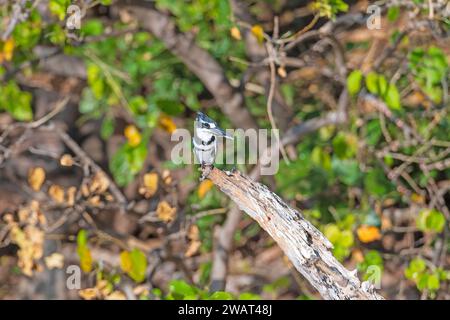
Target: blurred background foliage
pixel 376 186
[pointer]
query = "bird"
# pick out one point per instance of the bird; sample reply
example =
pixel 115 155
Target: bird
pixel 206 132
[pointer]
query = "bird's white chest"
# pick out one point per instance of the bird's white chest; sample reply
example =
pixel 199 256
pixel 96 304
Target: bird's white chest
pixel 203 135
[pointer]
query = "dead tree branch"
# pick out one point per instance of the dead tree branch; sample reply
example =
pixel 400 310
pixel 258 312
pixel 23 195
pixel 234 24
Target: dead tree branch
pixel 304 245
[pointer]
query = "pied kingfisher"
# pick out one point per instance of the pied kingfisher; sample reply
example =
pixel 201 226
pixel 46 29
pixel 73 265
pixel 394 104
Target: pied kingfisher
pixel 206 132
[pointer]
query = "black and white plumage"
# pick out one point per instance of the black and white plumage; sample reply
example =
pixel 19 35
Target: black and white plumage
pixel 206 132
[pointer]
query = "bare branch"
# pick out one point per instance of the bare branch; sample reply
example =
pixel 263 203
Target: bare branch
pixel 304 245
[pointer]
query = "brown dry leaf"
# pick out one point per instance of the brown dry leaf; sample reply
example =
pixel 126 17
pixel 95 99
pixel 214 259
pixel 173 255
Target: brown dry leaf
pixel 88 294
pixel 194 243
pixel 95 201
pixel 103 288
pixel 30 241
pixel 116 295
pixel 165 212
pixel 85 190
pixel 282 72
pixel 100 183
pixel 386 223
pixel 204 187
pixel 357 256
pixel 235 33
pixel 193 248
pixel 54 261
pixel 24 215
pixel 368 233
pixel 193 232
pixel 71 193
pixel 150 185
pixel 36 177
pixel 166 177
pixel 66 160
pixel 56 192
pixel 141 289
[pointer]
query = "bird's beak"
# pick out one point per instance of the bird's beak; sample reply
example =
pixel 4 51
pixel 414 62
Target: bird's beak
pixel 220 133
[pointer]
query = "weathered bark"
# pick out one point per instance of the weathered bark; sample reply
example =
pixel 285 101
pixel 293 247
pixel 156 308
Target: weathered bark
pixel 306 247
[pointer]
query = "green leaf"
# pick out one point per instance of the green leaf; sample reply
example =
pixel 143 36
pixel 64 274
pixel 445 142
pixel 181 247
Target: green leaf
pixel 372 82
pixel 433 282
pixel 354 82
pixel 249 296
pixel 345 145
pixel 332 233
pixel 170 107
pixel 138 105
pixel 376 183
pixel 221 295
pixel 107 128
pixel 58 8
pixel 139 265
pixel 347 171
pixel 393 13
pixel 82 238
pixel 392 97
pixel 431 220
pixel 180 289
pixel 92 27
pixel 127 162
pixel 346 239
pixel 16 102
pixel 382 85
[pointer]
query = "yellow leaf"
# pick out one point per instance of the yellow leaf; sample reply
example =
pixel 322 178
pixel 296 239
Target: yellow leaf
pixel 133 135
pixel 56 192
pixel 36 177
pixel 125 261
pixel 54 261
pixel 88 294
pixel 8 49
pixel 235 33
pixel 203 188
pixel 258 32
pixel 368 233
pixel 166 123
pixel 417 198
pixel 85 258
pixel 165 212
pixel 150 185
pixel 66 160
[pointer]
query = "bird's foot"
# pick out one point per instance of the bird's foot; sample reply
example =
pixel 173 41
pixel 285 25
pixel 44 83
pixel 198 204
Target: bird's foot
pixel 205 169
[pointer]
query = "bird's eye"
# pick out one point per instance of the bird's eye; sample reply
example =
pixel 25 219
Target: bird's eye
pixel 206 125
